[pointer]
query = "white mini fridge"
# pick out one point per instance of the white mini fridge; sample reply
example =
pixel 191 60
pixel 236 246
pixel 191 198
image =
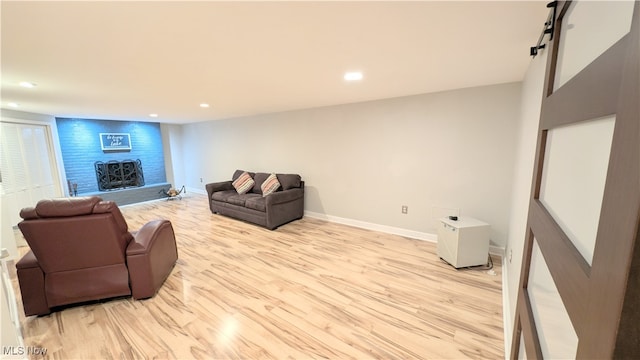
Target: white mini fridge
pixel 463 242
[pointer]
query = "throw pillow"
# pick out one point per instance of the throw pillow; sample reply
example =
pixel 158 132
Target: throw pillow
pixel 243 183
pixel 270 185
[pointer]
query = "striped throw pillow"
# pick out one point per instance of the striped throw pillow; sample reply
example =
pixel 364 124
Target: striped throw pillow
pixel 270 185
pixel 243 183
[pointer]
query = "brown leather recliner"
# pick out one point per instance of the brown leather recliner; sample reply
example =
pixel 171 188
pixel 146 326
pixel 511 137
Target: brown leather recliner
pixel 81 250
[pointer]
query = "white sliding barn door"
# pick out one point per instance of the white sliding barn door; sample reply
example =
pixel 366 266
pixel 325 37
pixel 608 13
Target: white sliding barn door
pixel 579 291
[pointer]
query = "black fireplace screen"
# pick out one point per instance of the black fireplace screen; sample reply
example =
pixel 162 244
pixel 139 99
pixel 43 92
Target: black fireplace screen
pixel 119 174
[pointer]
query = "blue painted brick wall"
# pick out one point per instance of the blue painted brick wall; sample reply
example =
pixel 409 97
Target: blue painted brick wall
pixel 80 145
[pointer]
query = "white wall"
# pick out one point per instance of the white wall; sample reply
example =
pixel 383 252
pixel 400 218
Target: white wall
pixel 521 190
pixel 363 161
pixel 173 155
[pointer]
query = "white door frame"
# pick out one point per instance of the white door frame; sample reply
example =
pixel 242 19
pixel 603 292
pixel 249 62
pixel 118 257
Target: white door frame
pixel 58 177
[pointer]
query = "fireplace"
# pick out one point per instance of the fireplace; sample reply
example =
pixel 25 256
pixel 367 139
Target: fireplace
pixel 113 175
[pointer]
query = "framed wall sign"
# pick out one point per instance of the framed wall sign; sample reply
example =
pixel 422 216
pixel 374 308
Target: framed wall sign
pixel 115 141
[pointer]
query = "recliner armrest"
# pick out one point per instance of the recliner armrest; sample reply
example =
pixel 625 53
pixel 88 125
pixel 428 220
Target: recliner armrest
pixel 144 238
pixel 31 281
pixel 28 261
pixel 150 257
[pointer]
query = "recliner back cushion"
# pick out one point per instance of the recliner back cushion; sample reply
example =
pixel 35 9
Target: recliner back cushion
pixel 70 243
pixel 110 207
pixel 61 207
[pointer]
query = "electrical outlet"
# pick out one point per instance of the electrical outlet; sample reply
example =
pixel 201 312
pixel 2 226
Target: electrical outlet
pixel 405 209
pixel 510 255
pixel 200 179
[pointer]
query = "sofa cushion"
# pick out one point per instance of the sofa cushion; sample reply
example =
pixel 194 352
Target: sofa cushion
pixel 270 185
pixel 244 183
pixel 289 181
pixel 256 203
pixel 223 195
pixel 259 178
pixel 241 199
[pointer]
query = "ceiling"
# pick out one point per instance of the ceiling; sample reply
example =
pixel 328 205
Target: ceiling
pixel 124 60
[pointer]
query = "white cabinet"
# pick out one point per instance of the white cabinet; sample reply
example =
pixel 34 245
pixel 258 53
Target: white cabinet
pixel 463 242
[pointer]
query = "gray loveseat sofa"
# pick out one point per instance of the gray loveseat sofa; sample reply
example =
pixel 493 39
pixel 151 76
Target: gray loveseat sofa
pixel 285 204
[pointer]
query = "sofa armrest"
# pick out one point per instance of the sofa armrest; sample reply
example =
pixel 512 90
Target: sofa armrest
pixel 31 281
pixel 218 186
pixel 151 256
pixel 284 206
pixel 215 187
pixel 280 197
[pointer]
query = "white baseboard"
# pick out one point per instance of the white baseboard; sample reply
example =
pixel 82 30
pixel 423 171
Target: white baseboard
pixel 195 190
pixel 142 202
pixel 494 250
pixel 376 227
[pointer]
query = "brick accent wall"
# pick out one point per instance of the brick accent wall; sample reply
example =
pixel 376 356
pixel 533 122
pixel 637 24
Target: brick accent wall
pixel 80 146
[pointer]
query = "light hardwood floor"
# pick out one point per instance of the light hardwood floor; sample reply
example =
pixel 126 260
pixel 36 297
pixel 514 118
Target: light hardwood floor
pixel 309 289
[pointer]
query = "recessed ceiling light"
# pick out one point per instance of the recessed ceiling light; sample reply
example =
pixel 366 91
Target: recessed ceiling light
pixel 27 84
pixel 13 105
pixel 153 115
pixel 353 76
pixel 204 105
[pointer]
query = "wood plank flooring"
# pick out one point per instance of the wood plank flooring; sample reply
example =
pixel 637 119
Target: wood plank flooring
pixel 310 289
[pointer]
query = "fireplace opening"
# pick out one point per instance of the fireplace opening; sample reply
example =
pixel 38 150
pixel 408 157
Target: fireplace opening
pixel 114 175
